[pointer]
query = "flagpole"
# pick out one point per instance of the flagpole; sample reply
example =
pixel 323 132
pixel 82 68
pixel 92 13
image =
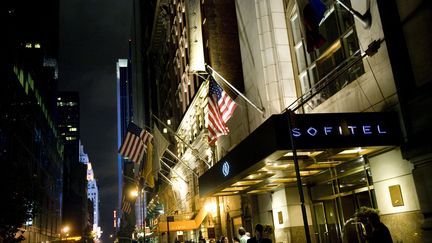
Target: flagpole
pixel 194 150
pixel 365 19
pixel 181 161
pixel 163 176
pixel 175 172
pixel 238 92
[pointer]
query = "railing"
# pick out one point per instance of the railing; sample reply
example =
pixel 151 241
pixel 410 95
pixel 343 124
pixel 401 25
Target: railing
pixel 328 85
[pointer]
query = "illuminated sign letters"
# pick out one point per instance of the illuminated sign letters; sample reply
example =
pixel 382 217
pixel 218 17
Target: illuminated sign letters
pixel 349 130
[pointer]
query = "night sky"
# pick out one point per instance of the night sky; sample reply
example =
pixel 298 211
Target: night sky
pixel 93 35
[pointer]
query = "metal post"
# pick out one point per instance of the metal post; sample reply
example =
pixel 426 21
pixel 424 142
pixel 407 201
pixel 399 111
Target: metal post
pixel 235 90
pixel 168 234
pixel 291 115
pixel 142 214
pixel 194 150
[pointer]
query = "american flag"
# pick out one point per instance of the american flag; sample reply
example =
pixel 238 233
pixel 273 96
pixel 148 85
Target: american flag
pixel 134 145
pixel 126 205
pixel 221 107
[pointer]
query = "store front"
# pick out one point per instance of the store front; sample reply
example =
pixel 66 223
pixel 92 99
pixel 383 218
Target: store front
pixel 332 151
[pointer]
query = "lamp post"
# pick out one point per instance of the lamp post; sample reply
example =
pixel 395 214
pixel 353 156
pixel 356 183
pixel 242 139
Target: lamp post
pixel 64 232
pixel 291 123
pixel 141 196
pixel 143 214
pixel 169 219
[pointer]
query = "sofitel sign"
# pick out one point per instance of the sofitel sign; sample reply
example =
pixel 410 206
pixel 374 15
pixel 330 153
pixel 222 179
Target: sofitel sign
pixel 345 130
pixel 350 130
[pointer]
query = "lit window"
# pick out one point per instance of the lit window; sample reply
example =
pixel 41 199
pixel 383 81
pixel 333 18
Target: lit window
pixel 73 129
pixel 337 28
pixel 37 45
pixel 28 45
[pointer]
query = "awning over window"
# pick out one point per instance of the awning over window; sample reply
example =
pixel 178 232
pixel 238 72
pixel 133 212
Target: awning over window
pixel 183 225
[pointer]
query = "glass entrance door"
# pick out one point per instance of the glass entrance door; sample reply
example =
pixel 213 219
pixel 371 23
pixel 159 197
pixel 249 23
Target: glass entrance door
pixel 321 231
pixel 326 218
pixel 336 195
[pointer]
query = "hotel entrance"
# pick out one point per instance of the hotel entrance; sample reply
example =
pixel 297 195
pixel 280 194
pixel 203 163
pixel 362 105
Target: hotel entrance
pixel 336 194
pixel 328 157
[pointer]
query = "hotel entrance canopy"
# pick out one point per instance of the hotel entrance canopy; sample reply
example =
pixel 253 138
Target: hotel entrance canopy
pixel 264 161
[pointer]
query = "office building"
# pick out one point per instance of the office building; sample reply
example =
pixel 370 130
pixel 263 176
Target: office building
pixel 31 150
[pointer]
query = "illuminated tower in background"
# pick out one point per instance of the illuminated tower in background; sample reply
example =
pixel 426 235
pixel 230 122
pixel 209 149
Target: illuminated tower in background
pixel 124 112
pixel 92 191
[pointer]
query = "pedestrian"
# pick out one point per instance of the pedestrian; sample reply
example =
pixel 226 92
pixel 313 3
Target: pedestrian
pixel 354 231
pixel 380 233
pixel 243 236
pixel 259 238
pixel 223 239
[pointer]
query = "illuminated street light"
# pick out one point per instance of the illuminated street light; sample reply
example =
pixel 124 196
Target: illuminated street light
pixel 64 232
pixel 211 207
pixel 134 193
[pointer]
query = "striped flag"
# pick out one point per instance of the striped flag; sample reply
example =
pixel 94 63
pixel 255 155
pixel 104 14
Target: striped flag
pixel 126 205
pixel 220 109
pixel 134 144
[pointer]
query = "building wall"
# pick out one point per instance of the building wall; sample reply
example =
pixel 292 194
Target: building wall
pixel 266 61
pixel 269 82
pixel 411 61
pixel 290 227
pixel 267 68
pixel 375 90
pixel 389 169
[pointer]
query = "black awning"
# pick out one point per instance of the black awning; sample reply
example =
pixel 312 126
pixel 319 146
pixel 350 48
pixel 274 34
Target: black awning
pixel 317 131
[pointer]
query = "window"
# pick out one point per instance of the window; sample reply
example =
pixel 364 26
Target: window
pixel 341 46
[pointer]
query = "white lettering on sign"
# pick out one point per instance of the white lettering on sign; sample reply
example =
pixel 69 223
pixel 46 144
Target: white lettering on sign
pixel 352 130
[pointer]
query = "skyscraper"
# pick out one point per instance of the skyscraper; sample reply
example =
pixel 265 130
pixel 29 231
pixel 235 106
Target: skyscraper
pixel 74 173
pixel 92 191
pixel 124 113
pixel 30 149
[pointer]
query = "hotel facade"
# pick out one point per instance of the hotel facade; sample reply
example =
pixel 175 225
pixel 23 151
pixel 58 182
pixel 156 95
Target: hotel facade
pixel 334 126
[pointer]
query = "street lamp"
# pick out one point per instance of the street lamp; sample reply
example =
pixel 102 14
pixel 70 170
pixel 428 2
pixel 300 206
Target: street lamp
pixel 64 232
pixel 140 195
pixel 134 193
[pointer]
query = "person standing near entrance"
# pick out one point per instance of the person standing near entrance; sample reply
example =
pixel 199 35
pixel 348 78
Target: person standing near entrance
pixel 243 236
pixel 380 233
pixel 376 231
pixel 258 238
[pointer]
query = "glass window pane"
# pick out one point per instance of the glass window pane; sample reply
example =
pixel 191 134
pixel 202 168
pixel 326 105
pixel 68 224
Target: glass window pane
pixel 350 43
pixel 322 190
pixel 304 82
pixel 313 76
pixel 329 30
pixel 300 54
pixel 351 182
pixel 346 19
pixel 295 25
